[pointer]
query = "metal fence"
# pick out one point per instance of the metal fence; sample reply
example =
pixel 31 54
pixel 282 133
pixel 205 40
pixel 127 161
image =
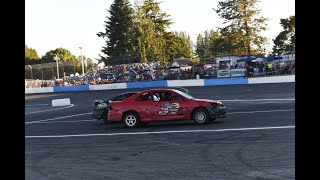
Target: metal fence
pixel 49 71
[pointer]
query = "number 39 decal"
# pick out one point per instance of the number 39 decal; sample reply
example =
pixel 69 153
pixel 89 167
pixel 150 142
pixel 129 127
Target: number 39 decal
pixel 169 109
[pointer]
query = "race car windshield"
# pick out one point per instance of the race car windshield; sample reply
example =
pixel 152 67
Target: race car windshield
pixel 183 94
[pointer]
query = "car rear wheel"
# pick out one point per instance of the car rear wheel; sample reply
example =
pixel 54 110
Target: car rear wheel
pixel 201 116
pixel 131 119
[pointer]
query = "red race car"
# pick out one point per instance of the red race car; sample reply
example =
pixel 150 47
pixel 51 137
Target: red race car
pixel 160 105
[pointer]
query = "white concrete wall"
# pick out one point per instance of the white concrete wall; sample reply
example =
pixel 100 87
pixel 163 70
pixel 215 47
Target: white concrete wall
pixel 38 90
pixel 108 86
pixel 274 79
pixel 171 83
pixel 191 82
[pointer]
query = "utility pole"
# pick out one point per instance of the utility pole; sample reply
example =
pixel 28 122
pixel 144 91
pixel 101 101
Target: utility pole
pixel 31 71
pixel 41 72
pixel 57 59
pixel 81 60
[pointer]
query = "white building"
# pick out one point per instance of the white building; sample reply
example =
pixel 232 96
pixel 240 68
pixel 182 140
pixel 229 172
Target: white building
pixel 181 62
pixel 230 59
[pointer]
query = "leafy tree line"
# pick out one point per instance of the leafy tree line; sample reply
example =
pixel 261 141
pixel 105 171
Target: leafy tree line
pixel 68 63
pixel 242 33
pixel 31 56
pixel 211 43
pixel 139 34
pixel 285 41
pixel 64 56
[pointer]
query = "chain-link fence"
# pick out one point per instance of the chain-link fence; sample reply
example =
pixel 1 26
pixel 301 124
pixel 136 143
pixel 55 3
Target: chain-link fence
pixel 49 71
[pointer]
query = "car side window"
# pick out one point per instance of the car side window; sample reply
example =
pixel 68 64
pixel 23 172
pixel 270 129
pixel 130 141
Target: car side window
pixel 158 95
pixel 155 98
pixel 145 97
pixel 175 97
pixel 167 96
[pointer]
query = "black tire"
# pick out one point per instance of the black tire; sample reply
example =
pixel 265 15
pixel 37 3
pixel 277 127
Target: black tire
pixel 104 117
pixel 131 119
pixel 201 116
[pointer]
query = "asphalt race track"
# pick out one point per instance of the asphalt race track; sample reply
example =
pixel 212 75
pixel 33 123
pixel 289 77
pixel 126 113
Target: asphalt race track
pixel 255 141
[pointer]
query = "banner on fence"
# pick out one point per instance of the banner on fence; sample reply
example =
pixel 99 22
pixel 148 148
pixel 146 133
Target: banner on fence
pixel 256 72
pixel 223 73
pixel 238 72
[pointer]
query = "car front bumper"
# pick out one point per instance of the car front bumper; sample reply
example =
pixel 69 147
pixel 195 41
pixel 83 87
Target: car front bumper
pixel 217 112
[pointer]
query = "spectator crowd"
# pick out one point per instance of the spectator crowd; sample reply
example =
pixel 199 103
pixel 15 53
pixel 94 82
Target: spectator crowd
pixel 143 72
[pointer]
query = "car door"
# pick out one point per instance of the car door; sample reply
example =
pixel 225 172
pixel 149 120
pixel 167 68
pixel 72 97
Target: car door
pixel 170 106
pixel 145 106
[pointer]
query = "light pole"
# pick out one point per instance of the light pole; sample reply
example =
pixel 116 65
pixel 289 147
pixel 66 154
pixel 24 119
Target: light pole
pixel 81 60
pixel 57 59
pixel 41 72
pixel 31 71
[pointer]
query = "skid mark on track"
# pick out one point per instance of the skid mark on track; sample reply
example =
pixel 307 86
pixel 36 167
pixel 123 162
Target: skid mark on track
pixel 163 142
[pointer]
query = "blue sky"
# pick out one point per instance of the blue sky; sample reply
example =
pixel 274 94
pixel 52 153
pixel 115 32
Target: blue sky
pixel 71 24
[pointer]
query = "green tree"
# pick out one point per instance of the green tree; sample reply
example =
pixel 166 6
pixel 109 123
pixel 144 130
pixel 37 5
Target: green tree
pixel 200 47
pixel 209 44
pixel 150 25
pixel 242 19
pixel 178 45
pixel 68 62
pixel 31 56
pixel 145 33
pixel 63 54
pixel 184 49
pixel 285 41
pixel 230 42
pixel 118 34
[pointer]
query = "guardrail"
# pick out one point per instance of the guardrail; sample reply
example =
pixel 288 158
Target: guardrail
pixel 273 79
pixel 168 83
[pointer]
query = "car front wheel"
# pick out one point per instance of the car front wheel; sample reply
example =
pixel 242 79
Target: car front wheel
pixel 201 116
pixel 131 119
